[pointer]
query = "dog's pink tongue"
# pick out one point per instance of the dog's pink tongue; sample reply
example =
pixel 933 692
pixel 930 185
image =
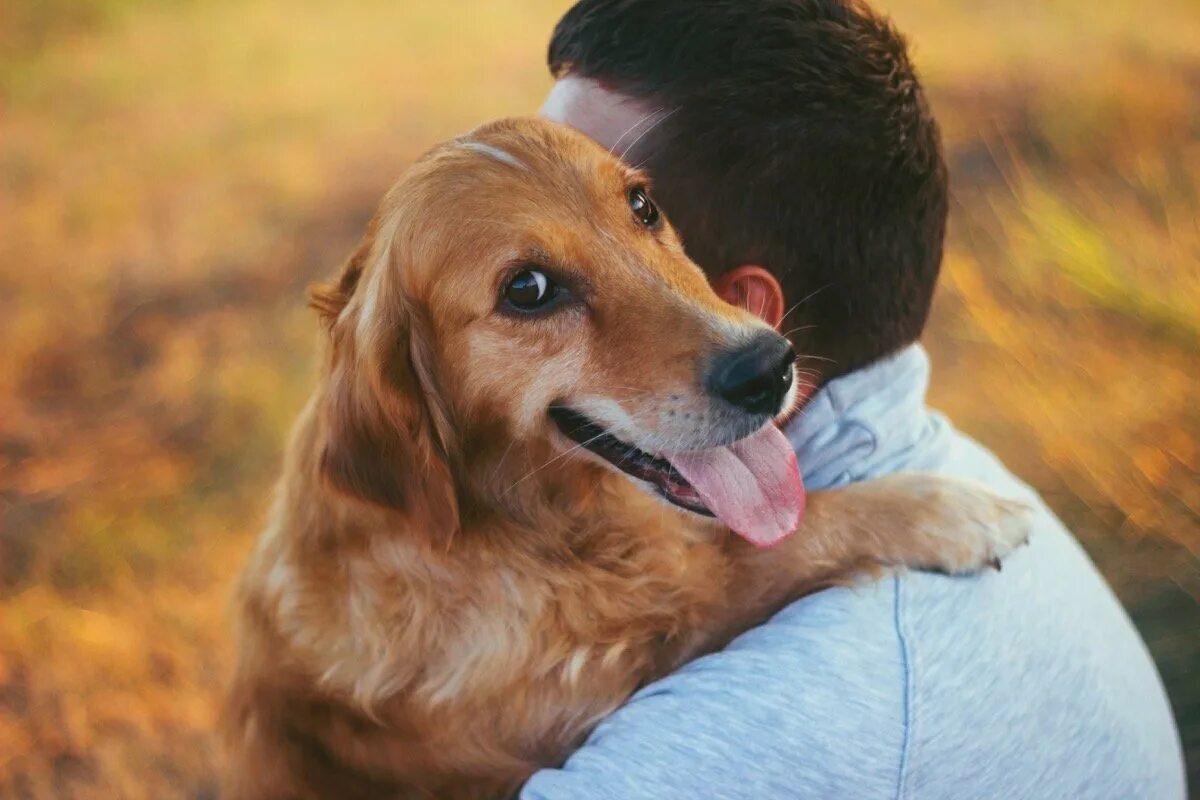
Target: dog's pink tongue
pixel 753 485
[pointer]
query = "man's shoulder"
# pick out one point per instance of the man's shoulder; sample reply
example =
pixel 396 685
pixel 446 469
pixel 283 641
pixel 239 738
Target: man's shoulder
pixel 1042 645
pixel 809 703
pixel 963 662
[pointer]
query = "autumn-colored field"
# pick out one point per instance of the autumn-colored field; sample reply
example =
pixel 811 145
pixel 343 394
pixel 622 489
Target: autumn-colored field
pixel 174 173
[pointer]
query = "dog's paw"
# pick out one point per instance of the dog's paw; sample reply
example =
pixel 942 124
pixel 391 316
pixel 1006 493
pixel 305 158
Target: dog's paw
pixel 983 529
pixel 1009 529
pixel 968 526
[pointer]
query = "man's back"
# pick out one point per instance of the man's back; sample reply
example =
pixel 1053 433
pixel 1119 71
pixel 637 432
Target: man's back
pixel 1030 683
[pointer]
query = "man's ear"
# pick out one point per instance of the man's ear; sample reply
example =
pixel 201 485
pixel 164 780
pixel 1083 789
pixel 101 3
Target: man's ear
pixel 754 289
pixel 383 434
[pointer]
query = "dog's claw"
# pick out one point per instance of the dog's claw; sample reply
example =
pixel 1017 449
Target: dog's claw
pixel 987 528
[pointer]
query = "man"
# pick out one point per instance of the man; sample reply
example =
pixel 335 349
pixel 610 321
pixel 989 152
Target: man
pixel 791 145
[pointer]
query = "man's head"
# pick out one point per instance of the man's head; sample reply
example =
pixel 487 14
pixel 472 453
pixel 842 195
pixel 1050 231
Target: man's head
pixel 788 134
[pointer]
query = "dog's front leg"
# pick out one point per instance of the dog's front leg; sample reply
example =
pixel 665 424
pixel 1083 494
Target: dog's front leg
pixel 905 520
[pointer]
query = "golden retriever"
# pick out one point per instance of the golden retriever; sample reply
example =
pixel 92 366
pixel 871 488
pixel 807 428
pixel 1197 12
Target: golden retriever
pixel 508 503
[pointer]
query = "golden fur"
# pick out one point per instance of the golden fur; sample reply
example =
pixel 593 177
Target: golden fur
pixel 446 596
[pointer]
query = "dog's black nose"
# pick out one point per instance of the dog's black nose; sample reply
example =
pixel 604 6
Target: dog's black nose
pixel 755 377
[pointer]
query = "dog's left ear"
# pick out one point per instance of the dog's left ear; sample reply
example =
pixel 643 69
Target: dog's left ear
pixel 329 300
pixel 386 439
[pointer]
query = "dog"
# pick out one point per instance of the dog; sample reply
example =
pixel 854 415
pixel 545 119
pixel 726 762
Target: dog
pixel 539 470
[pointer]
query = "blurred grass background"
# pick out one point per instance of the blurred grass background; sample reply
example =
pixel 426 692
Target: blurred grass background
pixel 173 173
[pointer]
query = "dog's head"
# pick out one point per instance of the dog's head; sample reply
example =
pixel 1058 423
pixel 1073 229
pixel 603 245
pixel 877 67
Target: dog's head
pixel 519 308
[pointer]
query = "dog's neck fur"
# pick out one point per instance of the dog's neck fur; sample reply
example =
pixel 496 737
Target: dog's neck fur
pixel 429 624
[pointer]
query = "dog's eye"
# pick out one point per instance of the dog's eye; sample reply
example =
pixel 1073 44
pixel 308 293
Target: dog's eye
pixel 530 290
pixel 645 211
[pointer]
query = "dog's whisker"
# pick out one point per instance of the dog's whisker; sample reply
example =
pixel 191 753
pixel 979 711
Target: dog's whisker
pixel 631 128
pixel 624 458
pixel 649 155
pixel 805 299
pixel 552 460
pixel 649 128
pixel 797 329
pixel 500 463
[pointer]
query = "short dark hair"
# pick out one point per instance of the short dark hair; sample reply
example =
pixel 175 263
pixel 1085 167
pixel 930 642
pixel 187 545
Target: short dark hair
pixel 798 138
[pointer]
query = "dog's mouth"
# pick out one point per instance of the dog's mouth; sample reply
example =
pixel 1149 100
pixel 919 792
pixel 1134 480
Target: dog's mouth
pixel 654 470
pixel 752 485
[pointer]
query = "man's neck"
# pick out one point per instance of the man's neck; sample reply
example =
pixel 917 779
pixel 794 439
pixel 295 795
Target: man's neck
pixel 867 423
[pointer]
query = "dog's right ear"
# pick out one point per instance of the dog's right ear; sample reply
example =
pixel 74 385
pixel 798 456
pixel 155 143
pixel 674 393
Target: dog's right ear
pixel 384 437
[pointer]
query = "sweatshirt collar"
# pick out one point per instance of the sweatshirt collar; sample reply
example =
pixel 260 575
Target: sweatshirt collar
pixel 868 423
